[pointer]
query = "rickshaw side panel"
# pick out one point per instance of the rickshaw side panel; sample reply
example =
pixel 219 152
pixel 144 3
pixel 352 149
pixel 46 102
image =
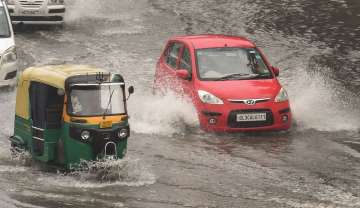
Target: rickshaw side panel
pixel 51 137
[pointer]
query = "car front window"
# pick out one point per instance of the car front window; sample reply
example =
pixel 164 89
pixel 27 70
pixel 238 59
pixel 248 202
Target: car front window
pixel 4 24
pixel 231 64
pixel 172 54
pixel 185 61
pixel 96 100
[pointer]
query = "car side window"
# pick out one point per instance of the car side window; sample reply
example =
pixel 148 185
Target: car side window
pixel 172 54
pixel 185 61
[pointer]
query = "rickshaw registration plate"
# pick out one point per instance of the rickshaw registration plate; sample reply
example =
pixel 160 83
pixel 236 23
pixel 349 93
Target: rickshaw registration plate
pixel 105 124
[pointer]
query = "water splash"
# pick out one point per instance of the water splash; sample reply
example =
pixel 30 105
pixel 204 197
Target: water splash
pixel 7 100
pixel 320 103
pixel 165 115
pixel 125 172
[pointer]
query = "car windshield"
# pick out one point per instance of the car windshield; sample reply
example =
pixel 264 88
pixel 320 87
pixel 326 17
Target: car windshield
pixel 4 24
pixel 231 64
pixel 96 100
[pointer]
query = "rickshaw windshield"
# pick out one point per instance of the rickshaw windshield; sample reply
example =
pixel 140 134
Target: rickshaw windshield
pixel 96 100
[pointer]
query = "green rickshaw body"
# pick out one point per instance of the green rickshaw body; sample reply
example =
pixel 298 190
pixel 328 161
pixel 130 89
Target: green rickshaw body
pixel 70 113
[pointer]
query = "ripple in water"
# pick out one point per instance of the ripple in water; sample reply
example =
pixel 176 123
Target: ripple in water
pixel 125 172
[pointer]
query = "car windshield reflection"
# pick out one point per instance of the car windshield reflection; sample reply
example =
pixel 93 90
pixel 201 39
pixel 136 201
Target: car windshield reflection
pixel 231 64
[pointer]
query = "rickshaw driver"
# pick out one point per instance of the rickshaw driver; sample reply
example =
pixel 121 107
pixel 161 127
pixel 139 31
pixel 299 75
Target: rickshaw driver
pixel 76 106
pixel 85 105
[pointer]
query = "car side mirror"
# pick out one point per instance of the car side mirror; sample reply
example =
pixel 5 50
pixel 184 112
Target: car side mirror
pixel 131 91
pixel 183 74
pixel 276 71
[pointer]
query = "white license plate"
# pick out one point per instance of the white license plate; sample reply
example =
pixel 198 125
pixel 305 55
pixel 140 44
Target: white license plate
pixel 251 117
pixel 30 12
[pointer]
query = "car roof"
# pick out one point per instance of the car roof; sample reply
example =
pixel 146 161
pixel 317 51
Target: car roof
pixel 215 41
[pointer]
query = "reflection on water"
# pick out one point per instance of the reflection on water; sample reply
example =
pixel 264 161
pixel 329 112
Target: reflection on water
pixel 334 23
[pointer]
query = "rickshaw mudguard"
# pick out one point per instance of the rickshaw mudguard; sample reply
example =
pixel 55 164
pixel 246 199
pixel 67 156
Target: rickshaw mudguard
pixel 22 133
pixel 18 141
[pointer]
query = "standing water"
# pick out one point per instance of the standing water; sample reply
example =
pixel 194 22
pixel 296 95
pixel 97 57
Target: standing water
pixel 171 163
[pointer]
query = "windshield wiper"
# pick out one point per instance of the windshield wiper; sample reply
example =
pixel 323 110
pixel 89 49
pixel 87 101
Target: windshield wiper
pixel 237 76
pixel 108 105
pixel 255 76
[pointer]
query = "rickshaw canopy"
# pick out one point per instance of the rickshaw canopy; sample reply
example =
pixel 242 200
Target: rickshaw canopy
pixel 54 76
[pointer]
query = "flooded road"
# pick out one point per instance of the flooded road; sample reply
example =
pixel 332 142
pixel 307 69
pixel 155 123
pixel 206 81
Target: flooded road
pixel 170 162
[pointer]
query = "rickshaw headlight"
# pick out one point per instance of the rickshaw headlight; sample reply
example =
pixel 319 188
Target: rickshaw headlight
pixel 85 135
pixel 123 133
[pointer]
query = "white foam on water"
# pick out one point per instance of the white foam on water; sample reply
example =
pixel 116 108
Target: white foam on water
pixel 7 100
pixel 161 114
pixel 318 103
pixel 12 169
pixel 125 172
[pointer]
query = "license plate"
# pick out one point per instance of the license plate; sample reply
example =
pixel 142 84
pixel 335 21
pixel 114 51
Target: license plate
pixel 31 12
pixel 251 117
pixel 105 124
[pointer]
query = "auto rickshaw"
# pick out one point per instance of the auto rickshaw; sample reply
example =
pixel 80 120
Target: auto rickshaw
pixel 67 114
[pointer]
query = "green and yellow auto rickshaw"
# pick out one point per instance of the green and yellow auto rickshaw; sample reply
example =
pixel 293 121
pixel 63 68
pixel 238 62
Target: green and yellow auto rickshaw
pixel 67 114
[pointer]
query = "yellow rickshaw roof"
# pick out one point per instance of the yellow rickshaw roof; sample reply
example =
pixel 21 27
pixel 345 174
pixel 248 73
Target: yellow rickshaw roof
pixel 56 75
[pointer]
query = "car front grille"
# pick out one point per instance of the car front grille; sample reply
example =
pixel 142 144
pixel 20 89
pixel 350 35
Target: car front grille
pixel 232 123
pixel 31 4
pixel 36 18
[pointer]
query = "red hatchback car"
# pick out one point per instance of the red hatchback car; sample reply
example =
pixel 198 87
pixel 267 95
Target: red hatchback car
pixel 229 80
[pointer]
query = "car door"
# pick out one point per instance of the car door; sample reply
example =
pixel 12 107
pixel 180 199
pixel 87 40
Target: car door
pixel 165 74
pixel 185 63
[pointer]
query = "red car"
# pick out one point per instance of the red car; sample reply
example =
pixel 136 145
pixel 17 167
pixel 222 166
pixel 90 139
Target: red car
pixel 229 80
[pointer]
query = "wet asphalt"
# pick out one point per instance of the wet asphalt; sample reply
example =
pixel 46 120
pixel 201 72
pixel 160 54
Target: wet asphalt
pixel 170 162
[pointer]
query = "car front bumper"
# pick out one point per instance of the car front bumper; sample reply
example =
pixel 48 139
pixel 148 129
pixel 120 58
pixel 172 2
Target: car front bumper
pixel 222 118
pixel 8 74
pixel 44 15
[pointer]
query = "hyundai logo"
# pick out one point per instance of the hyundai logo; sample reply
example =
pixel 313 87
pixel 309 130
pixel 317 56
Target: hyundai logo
pixel 250 102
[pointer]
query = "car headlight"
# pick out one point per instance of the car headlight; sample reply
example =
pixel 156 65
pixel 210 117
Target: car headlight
pixel 209 98
pixel 56 2
pixel 10 2
pixel 281 96
pixel 85 135
pixel 123 133
pixel 9 56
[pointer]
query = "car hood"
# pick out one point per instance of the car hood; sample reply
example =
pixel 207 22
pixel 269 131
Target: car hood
pixel 6 43
pixel 242 89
